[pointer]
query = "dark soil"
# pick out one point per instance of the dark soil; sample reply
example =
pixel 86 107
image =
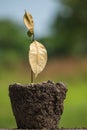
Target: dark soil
pixel 37 106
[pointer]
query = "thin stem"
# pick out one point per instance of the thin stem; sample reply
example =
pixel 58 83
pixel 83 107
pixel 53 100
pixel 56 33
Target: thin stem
pixel 32 76
pixel 33 38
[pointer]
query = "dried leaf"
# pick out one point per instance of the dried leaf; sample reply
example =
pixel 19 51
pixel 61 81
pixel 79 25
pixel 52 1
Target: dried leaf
pixel 28 20
pixel 37 57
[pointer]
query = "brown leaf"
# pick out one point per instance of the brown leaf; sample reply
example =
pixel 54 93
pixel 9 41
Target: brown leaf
pixel 37 57
pixel 28 20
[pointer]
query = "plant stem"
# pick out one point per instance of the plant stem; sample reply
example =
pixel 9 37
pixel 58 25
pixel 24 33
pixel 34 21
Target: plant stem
pixel 33 38
pixel 32 76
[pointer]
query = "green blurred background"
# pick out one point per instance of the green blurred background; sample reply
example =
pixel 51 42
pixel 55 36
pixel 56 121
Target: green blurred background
pixel 66 43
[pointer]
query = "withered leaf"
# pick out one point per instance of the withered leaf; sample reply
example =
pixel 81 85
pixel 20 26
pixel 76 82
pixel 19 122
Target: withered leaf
pixel 28 20
pixel 37 57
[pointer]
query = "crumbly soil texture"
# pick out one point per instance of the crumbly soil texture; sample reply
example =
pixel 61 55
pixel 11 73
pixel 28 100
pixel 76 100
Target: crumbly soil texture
pixel 37 106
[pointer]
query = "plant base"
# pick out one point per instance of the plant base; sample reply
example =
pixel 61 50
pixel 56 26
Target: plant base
pixel 37 106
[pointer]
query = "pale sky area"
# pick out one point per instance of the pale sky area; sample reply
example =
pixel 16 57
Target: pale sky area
pixel 41 10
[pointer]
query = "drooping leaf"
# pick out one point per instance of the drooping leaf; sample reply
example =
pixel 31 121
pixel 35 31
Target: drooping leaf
pixel 37 57
pixel 28 20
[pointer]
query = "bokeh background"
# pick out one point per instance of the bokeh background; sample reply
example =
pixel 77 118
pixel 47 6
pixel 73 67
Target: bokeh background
pixel 61 25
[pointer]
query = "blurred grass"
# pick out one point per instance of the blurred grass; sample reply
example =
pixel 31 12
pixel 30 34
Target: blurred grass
pixel 75 108
pixel 75 105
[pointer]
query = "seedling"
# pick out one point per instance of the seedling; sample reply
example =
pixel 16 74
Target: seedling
pixel 37 51
pixel 40 106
